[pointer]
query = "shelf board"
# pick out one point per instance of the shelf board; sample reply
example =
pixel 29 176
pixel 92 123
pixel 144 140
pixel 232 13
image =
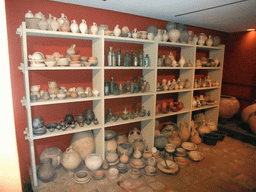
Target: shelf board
pixel 60 34
pixel 213 68
pixel 175 67
pixel 127 68
pixel 170 44
pixel 173 91
pixel 122 122
pixel 171 113
pixel 128 95
pixel 204 107
pixel 67 100
pixel 68 131
pixel 207 47
pixel 62 68
pixel 206 88
pixel 128 40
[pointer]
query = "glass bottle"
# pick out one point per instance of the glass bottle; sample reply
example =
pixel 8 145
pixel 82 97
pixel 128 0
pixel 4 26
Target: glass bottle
pixel 128 87
pixel 119 58
pixel 113 58
pixel 147 61
pixel 110 61
pixel 112 85
pixel 135 61
pixel 141 58
pixel 127 59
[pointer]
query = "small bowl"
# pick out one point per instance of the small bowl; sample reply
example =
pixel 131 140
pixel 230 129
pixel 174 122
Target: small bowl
pixel 181 161
pixel 75 57
pixel 109 134
pixel 195 155
pixel 50 63
pixel 181 151
pixel 210 138
pixel 32 23
pixel 99 174
pixel 113 173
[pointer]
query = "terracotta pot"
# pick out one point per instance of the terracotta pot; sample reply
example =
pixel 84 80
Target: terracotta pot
pixel 83 142
pixel 184 132
pixel 248 111
pixel 46 170
pixel 229 106
pixel 70 159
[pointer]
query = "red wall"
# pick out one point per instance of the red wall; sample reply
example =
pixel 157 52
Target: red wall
pixel 239 74
pixel 15 11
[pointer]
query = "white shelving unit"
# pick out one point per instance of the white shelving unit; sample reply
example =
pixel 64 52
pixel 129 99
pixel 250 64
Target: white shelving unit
pixel 148 99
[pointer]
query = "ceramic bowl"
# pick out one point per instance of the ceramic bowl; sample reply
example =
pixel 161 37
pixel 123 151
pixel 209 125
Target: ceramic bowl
pixel 189 146
pixel 75 57
pixel 195 155
pixel 170 148
pixel 38 56
pixel 135 173
pixel 181 152
pixel 109 134
pixel 50 63
pixel 82 177
pixel 99 174
pixel 182 161
pixel 113 173
pixel 32 23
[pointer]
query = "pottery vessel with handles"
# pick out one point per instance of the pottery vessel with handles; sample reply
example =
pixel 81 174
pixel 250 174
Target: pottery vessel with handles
pixel 94 28
pixel 83 27
pixel 174 35
pixel 74 27
pixel 70 159
pixel 54 24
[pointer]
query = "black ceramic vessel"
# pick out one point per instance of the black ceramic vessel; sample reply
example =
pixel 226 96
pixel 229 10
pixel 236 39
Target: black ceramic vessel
pixel 69 118
pixel 210 138
pixel 89 116
pixel 221 134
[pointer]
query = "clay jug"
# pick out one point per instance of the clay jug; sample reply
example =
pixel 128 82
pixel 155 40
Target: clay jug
pixel 209 42
pixel 134 134
pixel 83 143
pixel 117 31
pixel 54 24
pixel 184 132
pixel 65 27
pixel 175 139
pixel 137 154
pixel 46 171
pixel 203 128
pixel 74 27
pixel 174 35
pixel 70 159
pixel 195 138
pixel 124 158
pixel 83 27
pixel 94 28
pixel 43 24
pixel 71 50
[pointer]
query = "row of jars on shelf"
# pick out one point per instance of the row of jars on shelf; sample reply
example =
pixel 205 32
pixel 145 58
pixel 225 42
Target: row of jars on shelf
pixel 53 92
pixel 39 128
pixel 206 82
pixel 116 58
pixel 174 84
pixel 38 21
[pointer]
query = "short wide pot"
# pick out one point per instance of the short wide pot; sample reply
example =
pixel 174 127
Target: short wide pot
pixel 210 138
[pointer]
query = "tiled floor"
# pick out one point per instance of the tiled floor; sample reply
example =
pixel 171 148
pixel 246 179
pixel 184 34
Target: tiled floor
pixel 228 166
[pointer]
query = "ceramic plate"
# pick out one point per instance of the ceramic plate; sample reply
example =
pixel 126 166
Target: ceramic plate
pixel 189 146
pixel 172 166
pixel 195 155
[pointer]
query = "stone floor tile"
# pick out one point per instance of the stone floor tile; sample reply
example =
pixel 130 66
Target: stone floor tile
pixel 245 181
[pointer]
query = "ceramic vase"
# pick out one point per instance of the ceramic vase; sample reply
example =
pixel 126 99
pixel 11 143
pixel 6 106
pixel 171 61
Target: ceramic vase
pixel 53 153
pixel 152 29
pixel 138 144
pixel 93 162
pixel 46 170
pixel 229 106
pixel 89 116
pixel 94 28
pixel 49 21
pixel 184 132
pixel 174 35
pixel 70 159
pixel 159 35
pixel 165 36
pixel 201 40
pixel 216 41
pixel 63 19
pixel 54 24
pixel 134 134
pixel 71 50
pixel 74 27
pixel 182 62
pixel 124 148
pixel 160 141
pixel 83 143
pixel 117 31
pixel 209 42
pixel 65 27
pixel 83 27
